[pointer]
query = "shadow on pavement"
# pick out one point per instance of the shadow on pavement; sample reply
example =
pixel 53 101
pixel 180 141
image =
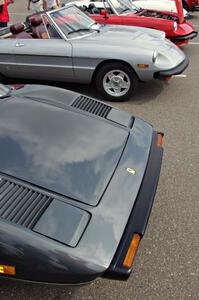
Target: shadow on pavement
pixel 10 289
pixel 145 92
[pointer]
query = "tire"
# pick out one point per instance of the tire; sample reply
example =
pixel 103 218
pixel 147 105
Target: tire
pixel 112 89
pixel 185 6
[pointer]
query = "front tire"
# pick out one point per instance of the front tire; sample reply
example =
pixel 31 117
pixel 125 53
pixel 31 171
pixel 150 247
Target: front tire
pixel 116 81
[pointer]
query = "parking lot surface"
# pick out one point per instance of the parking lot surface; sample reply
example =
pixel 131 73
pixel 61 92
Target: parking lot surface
pixel 167 262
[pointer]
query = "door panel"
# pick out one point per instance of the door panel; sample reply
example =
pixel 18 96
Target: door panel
pixel 44 59
pixel 7 59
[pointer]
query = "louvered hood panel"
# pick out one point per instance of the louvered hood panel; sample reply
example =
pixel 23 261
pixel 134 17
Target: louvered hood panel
pixel 104 111
pixel 21 205
pixel 43 214
pixel 94 107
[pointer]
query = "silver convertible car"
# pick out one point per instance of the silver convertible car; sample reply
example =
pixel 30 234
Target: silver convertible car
pixel 67 45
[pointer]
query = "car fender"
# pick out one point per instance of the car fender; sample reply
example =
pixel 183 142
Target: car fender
pixel 131 56
pixel 41 259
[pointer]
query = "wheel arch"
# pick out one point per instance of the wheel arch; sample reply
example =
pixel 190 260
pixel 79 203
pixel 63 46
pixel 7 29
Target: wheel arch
pixel 107 61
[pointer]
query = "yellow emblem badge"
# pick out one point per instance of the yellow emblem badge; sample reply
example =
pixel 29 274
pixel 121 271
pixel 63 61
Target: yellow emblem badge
pixel 132 171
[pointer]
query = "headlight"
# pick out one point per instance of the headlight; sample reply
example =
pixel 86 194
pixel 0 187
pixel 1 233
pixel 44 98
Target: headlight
pixel 175 26
pixel 155 54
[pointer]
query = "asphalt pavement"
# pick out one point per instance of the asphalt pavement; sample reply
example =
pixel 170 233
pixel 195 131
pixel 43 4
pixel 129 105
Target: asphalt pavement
pixel 167 262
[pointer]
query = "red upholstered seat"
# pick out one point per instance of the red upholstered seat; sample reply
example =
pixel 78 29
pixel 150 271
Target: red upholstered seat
pixel 18 31
pixel 38 28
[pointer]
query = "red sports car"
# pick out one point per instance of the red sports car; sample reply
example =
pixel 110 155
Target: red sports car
pixel 123 12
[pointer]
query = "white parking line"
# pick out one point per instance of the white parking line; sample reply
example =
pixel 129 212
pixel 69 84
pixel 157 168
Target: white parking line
pixel 180 75
pixel 192 43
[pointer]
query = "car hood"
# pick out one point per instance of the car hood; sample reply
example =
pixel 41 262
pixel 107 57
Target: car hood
pixel 45 138
pixel 161 5
pixel 127 35
pixel 166 5
pixel 179 13
pixel 60 156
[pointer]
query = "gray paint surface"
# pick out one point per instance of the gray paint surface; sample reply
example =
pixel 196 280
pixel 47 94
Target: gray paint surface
pixel 165 266
pixel 95 250
pixel 75 164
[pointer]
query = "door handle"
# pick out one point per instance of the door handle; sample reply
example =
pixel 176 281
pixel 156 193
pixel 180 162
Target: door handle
pixel 19 45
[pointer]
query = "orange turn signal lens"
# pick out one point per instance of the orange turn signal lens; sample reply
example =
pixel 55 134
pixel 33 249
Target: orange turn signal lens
pixel 160 140
pixel 7 270
pixel 129 258
pixel 142 66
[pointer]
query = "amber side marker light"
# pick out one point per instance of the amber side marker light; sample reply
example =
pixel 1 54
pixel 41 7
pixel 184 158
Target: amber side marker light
pixel 142 66
pixel 160 140
pixel 129 258
pixel 7 270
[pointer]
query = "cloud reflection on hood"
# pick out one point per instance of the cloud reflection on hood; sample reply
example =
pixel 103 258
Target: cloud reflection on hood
pixel 60 150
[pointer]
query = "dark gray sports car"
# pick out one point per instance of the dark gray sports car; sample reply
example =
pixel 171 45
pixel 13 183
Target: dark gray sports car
pixel 77 183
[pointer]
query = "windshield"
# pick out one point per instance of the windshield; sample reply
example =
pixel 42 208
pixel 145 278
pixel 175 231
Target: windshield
pixel 72 20
pixel 123 6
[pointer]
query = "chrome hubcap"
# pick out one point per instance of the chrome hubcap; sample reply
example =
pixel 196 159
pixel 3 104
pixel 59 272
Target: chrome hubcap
pixel 116 83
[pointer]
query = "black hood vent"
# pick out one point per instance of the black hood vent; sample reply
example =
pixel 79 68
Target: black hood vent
pixel 94 107
pixel 21 205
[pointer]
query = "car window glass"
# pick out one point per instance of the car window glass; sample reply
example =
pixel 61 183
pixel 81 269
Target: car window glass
pixel 108 8
pixel 71 19
pixel 52 32
pixel 122 6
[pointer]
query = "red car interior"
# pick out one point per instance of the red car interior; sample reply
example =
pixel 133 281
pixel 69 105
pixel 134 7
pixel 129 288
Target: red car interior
pixel 18 31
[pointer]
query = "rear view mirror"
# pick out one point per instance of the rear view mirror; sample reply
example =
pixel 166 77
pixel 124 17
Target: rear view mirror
pixel 104 13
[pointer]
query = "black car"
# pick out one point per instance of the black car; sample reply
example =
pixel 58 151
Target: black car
pixel 77 183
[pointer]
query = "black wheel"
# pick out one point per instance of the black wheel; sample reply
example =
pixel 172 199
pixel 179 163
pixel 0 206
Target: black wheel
pixel 185 6
pixel 116 81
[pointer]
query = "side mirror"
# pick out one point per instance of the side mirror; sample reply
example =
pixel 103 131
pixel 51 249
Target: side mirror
pixel 104 13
